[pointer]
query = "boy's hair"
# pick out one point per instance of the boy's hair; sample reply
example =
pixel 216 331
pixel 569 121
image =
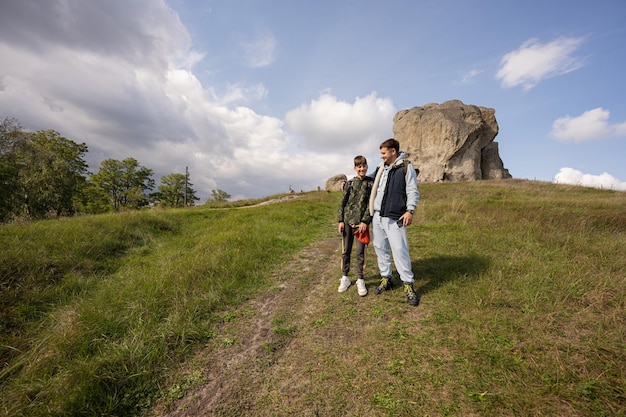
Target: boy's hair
pixel 391 144
pixel 360 160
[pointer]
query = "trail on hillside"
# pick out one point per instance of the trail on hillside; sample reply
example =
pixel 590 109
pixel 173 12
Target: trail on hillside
pixel 246 349
pixel 301 348
pixel 266 202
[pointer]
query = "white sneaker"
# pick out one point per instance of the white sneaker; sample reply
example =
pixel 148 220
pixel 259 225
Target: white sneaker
pixel 362 289
pixel 344 283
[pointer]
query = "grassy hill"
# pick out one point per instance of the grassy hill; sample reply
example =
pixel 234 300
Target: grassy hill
pixel 235 311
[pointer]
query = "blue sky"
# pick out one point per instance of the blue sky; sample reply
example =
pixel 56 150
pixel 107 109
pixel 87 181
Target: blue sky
pixel 259 96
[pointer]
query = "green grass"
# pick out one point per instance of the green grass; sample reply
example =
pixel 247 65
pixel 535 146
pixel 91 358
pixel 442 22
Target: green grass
pixel 523 309
pixel 95 310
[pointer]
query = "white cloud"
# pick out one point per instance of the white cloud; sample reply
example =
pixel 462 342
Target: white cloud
pixel 534 62
pixel 131 92
pixel 327 123
pixel 468 77
pixel 235 93
pixel 260 52
pixel 592 124
pixel 575 177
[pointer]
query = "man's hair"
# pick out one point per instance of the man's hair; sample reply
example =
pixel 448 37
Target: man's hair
pixel 359 160
pixel 391 144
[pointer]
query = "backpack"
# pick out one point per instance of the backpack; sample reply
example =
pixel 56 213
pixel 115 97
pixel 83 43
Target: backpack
pixel 406 164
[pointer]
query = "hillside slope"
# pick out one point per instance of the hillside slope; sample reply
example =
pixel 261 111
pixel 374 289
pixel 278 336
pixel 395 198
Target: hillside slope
pixel 220 312
pixel 522 313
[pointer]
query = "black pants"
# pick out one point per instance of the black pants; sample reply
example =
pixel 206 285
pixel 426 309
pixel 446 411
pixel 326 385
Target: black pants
pixel 348 241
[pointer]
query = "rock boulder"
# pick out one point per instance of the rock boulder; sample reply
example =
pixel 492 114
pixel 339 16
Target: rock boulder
pixel 336 182
pixel 451 141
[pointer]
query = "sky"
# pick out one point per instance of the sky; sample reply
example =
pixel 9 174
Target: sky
pixel 257 97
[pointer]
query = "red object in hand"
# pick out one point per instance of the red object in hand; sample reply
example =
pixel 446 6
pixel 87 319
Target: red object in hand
pixel 363 237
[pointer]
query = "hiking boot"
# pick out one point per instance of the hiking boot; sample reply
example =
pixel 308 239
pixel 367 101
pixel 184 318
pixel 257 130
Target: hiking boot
pixel 411 296
pixel 385 285
pixel 344 283
pixel 360 285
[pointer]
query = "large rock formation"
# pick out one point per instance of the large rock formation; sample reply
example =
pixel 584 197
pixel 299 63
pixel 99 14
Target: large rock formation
pixel 451 141
pixel 336 182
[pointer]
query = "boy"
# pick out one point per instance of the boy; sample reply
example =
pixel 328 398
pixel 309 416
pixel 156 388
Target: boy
pixel 353 216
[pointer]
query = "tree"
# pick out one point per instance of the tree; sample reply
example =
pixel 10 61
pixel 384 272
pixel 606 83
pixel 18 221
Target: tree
pixel 40 172
pixel 125 182
pixel 172 190
pixel 53 173
pixel 11 139
pixel 94 200
pixel 219 195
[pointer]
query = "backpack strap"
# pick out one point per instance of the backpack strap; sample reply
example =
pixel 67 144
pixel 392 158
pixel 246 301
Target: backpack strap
pixel 406 167
pixel 349 185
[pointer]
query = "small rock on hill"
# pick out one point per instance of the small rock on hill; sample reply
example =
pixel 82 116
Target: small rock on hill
pixel 336 182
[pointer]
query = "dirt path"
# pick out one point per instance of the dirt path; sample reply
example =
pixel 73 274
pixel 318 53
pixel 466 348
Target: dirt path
pixel 300 348
pixel 266 202
pixel 239 361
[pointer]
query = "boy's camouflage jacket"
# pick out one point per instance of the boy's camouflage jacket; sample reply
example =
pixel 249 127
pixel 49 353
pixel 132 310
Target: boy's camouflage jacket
pixel 355 200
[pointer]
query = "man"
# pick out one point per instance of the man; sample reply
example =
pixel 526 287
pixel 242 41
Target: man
pixel 393 201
